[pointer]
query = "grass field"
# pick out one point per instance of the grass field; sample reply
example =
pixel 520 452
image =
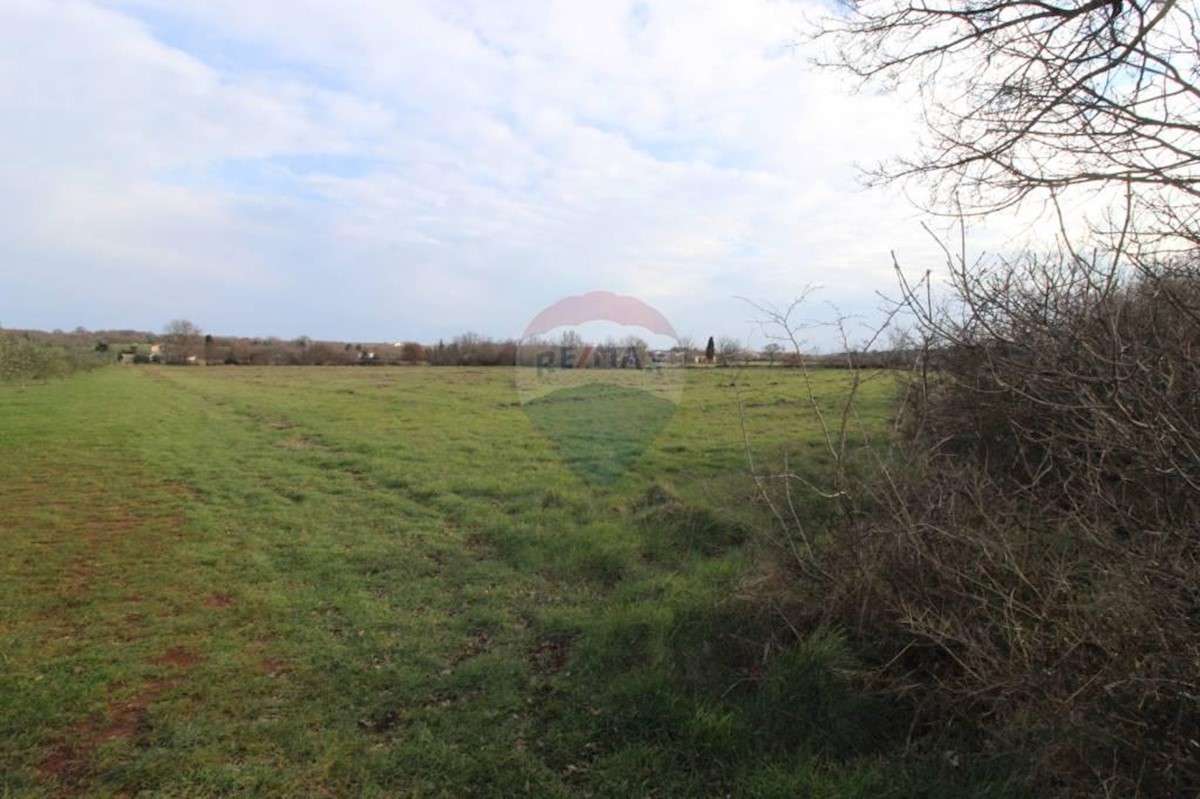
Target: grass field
pixel 388 582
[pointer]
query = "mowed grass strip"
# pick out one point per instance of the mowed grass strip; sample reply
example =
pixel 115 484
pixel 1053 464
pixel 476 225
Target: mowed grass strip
pixel 279 624
pixel 91 626
pixel 387 582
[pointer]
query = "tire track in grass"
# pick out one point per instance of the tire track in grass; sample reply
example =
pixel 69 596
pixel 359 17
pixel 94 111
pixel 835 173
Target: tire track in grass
pixel 89 637
pixel 88 553
pixel 394 573
pixel 300 439
pixel 95 633
pixel 471 645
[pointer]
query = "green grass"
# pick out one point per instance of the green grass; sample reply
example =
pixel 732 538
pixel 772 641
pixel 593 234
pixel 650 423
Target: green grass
pixel 389 582
pixel 600 430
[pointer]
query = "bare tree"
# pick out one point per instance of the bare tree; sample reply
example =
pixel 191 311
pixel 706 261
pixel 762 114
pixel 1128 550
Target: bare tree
pixel 685 345
pixel 571 340
pixel 729 351
pixel 184 340
pixel 1022 97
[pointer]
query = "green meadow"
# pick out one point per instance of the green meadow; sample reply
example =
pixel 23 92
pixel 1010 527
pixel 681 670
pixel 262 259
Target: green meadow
pixel 397 582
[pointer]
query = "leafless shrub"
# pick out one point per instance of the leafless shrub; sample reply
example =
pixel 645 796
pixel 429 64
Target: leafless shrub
pixel 1024 566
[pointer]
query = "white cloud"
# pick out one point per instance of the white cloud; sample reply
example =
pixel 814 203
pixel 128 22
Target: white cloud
pixel 372 169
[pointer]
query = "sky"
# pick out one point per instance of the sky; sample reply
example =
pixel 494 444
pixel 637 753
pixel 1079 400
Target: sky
pixel 378 170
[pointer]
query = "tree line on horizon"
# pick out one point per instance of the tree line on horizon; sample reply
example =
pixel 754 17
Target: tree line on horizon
pixel 183 342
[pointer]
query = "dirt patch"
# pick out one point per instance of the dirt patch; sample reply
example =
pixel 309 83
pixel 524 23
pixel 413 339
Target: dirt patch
pixel 66 765
pixel 441 699
pixel 476 644
pixel 181 489
pixel 272 668
pixel 297 443
pixel 218 601
pixel 549 657
pixel 69 763
pixel 479 548
pixel 380 722
pixel 178 657
pixel 89 531
pixel 76 583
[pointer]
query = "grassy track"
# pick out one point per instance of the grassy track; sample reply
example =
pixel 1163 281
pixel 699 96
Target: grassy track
pixel 308 582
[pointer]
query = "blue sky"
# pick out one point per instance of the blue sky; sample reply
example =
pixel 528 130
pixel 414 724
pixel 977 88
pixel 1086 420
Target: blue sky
pixel 374 170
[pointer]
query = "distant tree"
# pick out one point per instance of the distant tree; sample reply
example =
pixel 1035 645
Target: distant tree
pixel 634 352
pixel 469 348
pixel 181 327
pixel 439 355
pixel 183 340
pixel 729 351
pixel 412 352
pixel 684 346
pixel 772 351
pixel 239 352
pixel 326 354
pixel 571 339
pixel 506 353
pixel 710 350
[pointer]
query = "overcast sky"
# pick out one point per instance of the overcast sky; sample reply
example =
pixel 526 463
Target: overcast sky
pixel 371 170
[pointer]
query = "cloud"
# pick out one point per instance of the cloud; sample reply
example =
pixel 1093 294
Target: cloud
pixel 383 170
